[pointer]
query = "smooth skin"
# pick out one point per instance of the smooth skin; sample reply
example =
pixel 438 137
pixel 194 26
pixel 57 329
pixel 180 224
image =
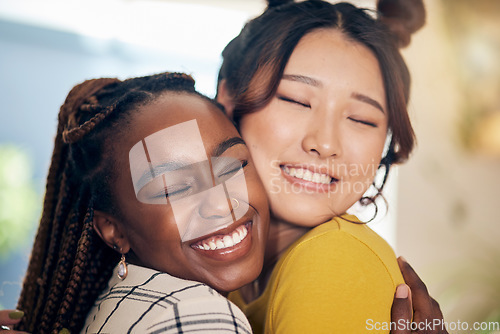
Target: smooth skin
pixel 328 116
pixel 149 233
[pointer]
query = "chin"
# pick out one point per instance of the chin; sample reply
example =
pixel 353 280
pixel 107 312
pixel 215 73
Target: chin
pixel 311 217
pixel 233 281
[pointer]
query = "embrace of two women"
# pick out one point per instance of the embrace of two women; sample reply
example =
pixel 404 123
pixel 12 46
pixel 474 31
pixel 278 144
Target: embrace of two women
pixel 170 212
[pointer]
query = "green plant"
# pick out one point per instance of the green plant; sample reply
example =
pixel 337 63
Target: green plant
pixel 19 200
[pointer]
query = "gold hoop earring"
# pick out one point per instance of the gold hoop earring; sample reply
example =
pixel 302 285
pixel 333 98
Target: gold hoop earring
pixel 122 268
pixel 237 203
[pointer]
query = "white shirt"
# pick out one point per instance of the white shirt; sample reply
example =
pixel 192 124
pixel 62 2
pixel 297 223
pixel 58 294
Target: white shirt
pixel 149 301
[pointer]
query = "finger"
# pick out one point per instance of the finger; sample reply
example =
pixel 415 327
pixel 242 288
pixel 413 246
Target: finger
pixel 421 300
pixel 437 314
pixel 9 331
pixel 10 317
pixel 401 311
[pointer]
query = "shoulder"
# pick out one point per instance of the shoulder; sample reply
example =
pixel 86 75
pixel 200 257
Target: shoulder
pixel 341 242
pixel 157 302
pixel 338 274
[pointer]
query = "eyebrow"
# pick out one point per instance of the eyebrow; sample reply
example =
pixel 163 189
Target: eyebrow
pixel 157 170
pixel 302 78
pixel 227 144
pixel 368 100
pixel 316 83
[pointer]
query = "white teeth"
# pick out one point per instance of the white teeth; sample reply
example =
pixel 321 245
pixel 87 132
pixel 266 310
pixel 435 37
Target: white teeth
pixel 220 244
pixel 316 177
pixel 236 237
pixel 226 241
pixel 307 175
pixel 299 173
pixel 243 233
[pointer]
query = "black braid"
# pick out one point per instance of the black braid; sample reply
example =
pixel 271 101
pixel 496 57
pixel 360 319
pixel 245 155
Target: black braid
pixel 70 265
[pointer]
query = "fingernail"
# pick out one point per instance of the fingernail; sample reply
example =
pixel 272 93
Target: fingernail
pixel 14 315
pixel 402 291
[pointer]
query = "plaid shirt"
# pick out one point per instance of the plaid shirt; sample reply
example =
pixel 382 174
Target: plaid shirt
pixel 148 301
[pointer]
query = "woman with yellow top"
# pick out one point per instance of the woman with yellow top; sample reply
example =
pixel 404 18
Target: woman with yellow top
pixel 318 91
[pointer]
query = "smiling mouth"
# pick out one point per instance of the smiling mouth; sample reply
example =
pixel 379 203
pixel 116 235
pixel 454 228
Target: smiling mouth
pixel 223 241
pixel 308 175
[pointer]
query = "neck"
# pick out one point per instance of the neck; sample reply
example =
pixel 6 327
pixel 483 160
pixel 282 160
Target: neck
pixel 281 235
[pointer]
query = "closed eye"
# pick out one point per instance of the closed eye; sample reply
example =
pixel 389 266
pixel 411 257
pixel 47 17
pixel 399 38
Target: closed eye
pixel 233 168
pixel 373 125
pixel 174 191
pixel 287 99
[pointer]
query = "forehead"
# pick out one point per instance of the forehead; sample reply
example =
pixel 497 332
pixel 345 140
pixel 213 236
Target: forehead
pixel 175 108
pixel 331 56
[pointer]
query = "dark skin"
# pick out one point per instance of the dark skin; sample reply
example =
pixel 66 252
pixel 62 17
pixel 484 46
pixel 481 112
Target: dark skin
pixel 6 319
pixel 148 233
pixel 417 303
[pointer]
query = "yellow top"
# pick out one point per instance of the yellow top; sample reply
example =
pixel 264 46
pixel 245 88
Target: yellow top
pixel 340 277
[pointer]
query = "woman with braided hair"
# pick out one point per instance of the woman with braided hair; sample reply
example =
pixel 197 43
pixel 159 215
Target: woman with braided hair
pixel 319 92
pixel 175 196
pixel 253 68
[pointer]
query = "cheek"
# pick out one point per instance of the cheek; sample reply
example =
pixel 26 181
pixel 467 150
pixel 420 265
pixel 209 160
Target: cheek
pixel 268 133
pixel 153 223
pixel 256 192
pixel 365 155
pixel 269 125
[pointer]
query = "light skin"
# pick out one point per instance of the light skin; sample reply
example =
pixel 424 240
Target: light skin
pixel 148 232
pixel 328 117
pixel 329 111
pixel 305 147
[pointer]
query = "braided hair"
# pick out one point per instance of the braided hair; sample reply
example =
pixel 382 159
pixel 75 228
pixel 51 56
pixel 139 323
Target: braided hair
pixel 254 61
pixel 70 265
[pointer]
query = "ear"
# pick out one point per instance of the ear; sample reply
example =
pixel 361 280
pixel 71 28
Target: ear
pixel 110 230
pixel 225 98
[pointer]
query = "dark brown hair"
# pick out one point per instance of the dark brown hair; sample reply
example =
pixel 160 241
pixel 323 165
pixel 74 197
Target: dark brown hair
pixel 254 61
pixel 70 265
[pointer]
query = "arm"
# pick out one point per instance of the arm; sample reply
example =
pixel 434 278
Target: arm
pixel 415 303
pixel 333 283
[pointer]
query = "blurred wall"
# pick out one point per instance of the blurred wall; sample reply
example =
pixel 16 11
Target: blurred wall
pixel 448 196
pixel 39 64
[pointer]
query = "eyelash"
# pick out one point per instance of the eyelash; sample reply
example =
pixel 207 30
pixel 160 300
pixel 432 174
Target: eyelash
pixel 287 99
pixel 244 163
pixel 373 125
pixel 165 194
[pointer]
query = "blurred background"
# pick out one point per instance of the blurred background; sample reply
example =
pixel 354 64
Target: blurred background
pixel 444 203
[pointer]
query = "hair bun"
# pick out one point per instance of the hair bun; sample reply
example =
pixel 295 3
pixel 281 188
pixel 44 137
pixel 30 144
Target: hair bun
pixel 402 17
pixel 276 3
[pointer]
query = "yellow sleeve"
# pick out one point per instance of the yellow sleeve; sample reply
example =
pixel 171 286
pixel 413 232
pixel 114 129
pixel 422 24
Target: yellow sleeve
pixel 332 283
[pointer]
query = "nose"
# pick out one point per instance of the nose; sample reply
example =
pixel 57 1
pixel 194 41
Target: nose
pixel 322 138
pixel 215 204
